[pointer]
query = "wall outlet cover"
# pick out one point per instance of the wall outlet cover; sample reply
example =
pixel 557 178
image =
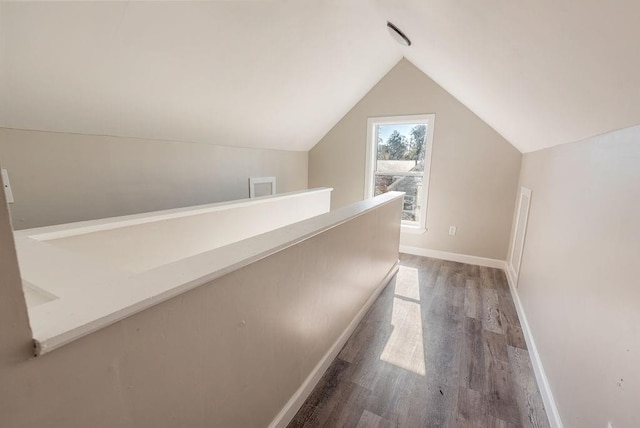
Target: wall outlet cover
pixel 452 230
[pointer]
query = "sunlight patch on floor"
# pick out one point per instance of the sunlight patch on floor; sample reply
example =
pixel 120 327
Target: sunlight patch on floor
pixel 407 284
pixel 405 346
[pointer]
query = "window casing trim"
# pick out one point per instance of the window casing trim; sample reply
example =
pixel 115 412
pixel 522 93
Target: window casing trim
pixel 370 159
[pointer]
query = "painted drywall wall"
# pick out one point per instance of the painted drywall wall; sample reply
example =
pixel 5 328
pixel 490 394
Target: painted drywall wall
pixel 230 353
pixel 15 334
pixel 146 245
pixel 579 275
pixel 60 178
pixel 474 171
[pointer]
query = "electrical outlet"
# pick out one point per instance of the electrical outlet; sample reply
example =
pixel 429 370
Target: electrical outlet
pixel 452 230
pixel 7 186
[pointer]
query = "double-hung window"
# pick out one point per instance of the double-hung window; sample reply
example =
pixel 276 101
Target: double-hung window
pixel 399 158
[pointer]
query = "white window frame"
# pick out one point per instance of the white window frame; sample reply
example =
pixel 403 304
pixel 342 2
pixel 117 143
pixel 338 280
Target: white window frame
pixel 371 154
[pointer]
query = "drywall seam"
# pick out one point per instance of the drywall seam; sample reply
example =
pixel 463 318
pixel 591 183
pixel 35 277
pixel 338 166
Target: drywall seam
pixel 454 257
pixel 541 378
pixel 290 409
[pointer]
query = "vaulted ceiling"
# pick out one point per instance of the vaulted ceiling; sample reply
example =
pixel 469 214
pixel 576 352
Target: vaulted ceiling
pixel 280 74
pixel 276 74
pixel 540 72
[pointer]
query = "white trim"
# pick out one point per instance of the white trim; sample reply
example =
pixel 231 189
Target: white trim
pixel 290 409
pixel 515 270
pixel 543 383
pixel 370 158
pixel 454 257
pixel 261 180
pixel 46 233
pixel 122 294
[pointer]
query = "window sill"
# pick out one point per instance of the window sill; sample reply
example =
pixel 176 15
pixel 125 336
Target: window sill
pixel 414 230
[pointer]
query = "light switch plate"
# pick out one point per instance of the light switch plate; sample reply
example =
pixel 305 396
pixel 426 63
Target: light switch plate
pixel 7 186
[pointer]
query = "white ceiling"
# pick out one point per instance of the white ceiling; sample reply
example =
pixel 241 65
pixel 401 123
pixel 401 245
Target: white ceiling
pixel 280 74
pixel 540 72
pixel 275 74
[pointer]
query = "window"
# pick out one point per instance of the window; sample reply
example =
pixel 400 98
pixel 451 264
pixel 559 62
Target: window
pixel 399 158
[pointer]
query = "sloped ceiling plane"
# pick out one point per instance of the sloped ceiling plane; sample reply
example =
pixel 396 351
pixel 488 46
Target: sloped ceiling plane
pixel 280 74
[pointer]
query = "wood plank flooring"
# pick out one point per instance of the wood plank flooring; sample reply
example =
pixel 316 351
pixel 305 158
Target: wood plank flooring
pixel 441 347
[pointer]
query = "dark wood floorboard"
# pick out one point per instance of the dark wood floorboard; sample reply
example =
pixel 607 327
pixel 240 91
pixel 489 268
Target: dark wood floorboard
pixel 441 347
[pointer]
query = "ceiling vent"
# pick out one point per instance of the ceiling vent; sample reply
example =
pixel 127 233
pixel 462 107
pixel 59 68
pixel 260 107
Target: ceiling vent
pixel 398 35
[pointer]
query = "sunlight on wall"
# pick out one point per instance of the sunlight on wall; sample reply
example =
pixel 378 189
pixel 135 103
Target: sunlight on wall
pixel 405 347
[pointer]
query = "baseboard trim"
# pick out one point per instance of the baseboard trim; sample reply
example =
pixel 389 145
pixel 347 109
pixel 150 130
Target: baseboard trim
pixel 290 409
pixel 453 257
pixel 541 378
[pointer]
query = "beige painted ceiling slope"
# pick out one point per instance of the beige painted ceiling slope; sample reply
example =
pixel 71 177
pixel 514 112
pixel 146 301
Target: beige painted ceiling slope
pixel 280 74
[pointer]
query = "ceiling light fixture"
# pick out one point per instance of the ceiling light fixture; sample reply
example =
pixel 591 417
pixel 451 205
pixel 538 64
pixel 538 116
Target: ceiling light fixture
pixel 398 35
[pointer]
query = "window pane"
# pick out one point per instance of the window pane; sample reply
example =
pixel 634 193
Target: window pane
pixel 401 147
pixel 396 166
pixel 412 186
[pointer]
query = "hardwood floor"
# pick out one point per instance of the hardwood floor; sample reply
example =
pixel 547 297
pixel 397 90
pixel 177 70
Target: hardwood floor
pixel 441 347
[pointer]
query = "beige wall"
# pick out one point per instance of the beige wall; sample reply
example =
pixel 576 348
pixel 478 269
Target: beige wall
pixel 59 178
pixel 474 170
pixel 227 354
pixel 15 334
pixel 580 275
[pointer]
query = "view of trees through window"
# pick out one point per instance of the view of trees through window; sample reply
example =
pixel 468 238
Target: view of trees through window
pixel 400 164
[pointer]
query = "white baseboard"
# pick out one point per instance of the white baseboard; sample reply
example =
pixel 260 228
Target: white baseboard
pixel 541 378
pixel 290 409
pixel 453 257
pixel 293 405
pixel 543 383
